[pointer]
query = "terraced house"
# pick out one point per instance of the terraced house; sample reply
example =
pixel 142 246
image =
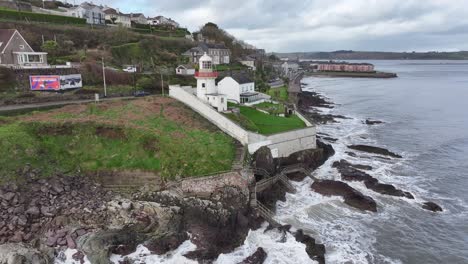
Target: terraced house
pixel 217 51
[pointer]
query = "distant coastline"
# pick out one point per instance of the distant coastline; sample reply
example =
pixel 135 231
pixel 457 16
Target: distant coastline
pixel 374 55
pixel 383 75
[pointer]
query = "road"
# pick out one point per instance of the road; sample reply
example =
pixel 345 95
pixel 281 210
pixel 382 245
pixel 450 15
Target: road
pixel 60 103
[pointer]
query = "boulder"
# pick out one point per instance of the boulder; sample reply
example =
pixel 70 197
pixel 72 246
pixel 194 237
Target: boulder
pixel 375 150
pixel 20 253
pixel 264 160
pixel 315 251
pixel 351 196
pixel 372 122
pixel 431 206
pixel 256 258
pixel 163 244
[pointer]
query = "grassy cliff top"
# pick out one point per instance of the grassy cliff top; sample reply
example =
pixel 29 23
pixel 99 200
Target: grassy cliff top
pixel 153 134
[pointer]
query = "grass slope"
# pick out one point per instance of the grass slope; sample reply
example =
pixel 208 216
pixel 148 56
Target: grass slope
pixel 279 94
pixel 151 134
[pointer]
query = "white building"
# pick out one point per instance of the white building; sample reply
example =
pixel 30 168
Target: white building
pixel 249 62
pixel 138 18
pixel 92 13
pixel 117 18
pixel 239 88
pixel 289 67
pixel 185 70
pixel 206 84
pixel 162 21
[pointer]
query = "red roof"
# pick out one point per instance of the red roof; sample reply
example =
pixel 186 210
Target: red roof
pixel 206 74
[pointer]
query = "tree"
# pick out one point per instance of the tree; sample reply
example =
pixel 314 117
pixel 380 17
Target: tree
pixel 52 48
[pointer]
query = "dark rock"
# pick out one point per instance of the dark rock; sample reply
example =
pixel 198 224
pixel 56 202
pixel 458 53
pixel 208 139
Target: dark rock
pixel 374 150
pixel 351 154
pixel 264 160
pixel 372 122
pixel 256 258
pixel 315 251
pixel 33 211
pixel 330 139
pixel 349 172
pixel 297 176
pixel 431 206
pixel 78 256
pixel 70 242
pixel 162 245
pixel 7 196
pixel 17 237
pixel 351 196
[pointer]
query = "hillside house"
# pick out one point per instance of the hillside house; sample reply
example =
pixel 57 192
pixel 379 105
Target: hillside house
pixel 15 51
pixel 186 69
pixel 249 62
pixel 239 88
pixel 116 17
pixel 218 52
pixel 138 18
pixel 92 13
pixel 162 21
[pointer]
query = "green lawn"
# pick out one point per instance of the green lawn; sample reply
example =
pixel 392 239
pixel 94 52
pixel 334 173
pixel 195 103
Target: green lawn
pixel 101 138
pixel 266 124
pixel 279 94
pixel 274 109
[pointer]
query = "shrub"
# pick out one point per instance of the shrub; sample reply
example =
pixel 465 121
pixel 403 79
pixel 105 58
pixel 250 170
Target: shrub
pixel 29 16
pixel 146 83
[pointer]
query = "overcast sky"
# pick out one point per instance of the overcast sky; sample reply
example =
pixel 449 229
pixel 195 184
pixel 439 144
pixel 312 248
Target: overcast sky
pixel 319 25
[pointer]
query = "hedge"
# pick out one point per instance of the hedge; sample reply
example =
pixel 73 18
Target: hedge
pixel 16 15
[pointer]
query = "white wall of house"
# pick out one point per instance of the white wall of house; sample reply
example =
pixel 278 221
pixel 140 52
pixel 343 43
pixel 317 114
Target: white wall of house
pixel 231 88
pixel 93 15
pixel 249 63
pixel 120 19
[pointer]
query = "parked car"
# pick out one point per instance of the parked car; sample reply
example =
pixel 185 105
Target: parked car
pixel 141 94
pixel 130 69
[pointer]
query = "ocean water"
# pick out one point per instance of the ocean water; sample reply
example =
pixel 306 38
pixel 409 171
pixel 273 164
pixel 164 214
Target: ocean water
pixel 426 120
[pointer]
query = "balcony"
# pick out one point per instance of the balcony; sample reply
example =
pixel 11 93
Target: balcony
pixel 206 74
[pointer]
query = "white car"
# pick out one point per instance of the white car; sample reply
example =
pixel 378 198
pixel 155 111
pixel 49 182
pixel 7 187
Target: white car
pixel 130 69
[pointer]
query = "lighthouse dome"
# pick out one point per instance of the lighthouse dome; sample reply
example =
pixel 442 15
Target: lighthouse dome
pixel 206 63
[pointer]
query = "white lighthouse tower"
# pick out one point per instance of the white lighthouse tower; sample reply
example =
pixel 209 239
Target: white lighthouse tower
pixel 206 78
pixel 206 84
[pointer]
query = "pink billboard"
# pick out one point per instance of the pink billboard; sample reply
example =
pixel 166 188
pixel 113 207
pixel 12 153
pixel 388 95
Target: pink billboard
pixel 45 82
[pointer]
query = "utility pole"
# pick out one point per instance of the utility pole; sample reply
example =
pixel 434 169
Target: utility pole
pixel 162 84
pixel 104 77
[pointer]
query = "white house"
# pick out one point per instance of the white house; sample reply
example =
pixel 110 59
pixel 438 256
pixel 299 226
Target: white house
pixel 249 62
pixel 138 18
pixel 185 70
pixel 116 17
pixel 161 20
pixel 239 88
pixel 92 13
pixel 206 84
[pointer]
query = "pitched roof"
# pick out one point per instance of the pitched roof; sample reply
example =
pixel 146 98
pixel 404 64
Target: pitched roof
pixel 136 15
pixel 5 36
pixel 242 78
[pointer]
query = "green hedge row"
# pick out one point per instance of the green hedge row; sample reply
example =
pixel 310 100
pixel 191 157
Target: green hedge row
pixel 160 33
pixel 16 15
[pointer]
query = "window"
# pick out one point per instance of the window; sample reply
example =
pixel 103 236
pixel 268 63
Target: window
pixel 206 65
pixel 203 85
pixel 21 46
pixel 222 100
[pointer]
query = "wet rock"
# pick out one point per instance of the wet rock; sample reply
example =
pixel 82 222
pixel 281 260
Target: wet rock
pixel 351 196
pixel 256 258
pixel 374 150
pixel 349 172
pixel 20 253
pixel 314 250
pixel 431 206
pixel 372 122
pixel 264 160
pixel 166 243
pixel 297 176
pixel 79 256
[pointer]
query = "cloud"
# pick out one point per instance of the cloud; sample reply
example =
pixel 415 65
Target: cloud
pixel 312 25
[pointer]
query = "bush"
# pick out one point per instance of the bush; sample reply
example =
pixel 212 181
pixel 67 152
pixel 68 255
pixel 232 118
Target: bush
pixel 29 16
pixel 146 83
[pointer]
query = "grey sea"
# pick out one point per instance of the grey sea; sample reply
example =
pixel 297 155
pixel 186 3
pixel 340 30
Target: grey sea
pixel 425 112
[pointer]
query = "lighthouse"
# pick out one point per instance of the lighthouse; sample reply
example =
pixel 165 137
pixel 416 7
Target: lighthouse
pixel 206 78
pixel 206 84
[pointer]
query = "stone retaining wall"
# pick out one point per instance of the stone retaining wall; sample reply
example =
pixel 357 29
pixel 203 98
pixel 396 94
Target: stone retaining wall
pixel 207 186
